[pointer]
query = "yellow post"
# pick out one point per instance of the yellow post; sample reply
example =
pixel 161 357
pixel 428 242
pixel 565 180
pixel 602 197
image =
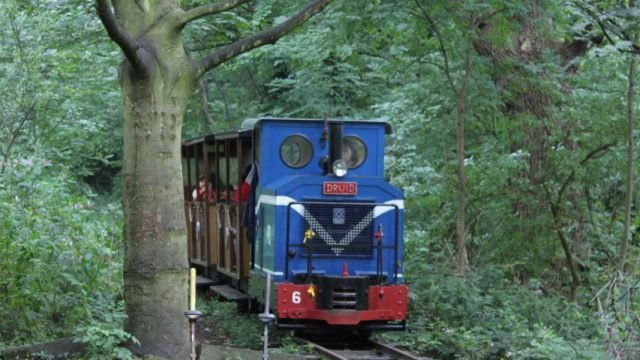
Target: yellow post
pixel 192 289
pixel 192 314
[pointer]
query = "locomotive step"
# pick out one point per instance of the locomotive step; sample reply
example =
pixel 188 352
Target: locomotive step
pixel 229 293
pixel 203 281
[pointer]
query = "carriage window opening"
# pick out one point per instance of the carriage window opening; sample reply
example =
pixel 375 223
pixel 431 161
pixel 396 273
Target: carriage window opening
pixel 245 155
pixel 232 181
pixel 296 151
pixel 189 170
pixel 185 175
pixel 212 177
pixel 354 151
pixel 226 150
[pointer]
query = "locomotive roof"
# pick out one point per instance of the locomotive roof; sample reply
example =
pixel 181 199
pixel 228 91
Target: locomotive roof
pixel 251 123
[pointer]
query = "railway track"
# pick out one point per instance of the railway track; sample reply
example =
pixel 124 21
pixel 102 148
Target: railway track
pixel 368 350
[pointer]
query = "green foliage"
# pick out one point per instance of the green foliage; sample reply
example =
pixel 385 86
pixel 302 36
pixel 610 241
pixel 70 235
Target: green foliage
pixel 238 331
pixel 243 330
pixel 53 98
pixel 290 345
pixel 104 335
pixel 483 316
pixel 329 68
pixel 59 249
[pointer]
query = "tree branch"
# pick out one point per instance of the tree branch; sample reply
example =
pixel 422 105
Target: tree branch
pixel 595 152
pixel 556 212
pixel 255 86
pixel 13 134
pixel 433 63
pixel 262 38
pixel 16 35
pixel 204 89
pixel 613 26
pixel 227 112
pixel 443 50
pixel 589 156
pixel 209 9
pixel 127 44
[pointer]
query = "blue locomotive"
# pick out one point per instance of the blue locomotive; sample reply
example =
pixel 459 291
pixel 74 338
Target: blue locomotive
pixel 304 200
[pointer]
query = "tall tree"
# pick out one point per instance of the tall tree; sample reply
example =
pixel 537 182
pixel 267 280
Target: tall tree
pixel 460 94
pixel 157 76
pixel 628 198
pixel 532 95
pixel 619 25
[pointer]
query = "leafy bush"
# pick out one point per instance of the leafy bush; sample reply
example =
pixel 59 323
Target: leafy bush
pixel 485 316
pixel 59 251
pixel 104 335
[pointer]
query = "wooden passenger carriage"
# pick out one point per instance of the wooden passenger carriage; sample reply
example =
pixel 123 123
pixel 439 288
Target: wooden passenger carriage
pixel 216 240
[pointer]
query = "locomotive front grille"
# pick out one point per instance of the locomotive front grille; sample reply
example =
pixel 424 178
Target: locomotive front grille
pixel 342 293
pixel 341 229
pixel 345 299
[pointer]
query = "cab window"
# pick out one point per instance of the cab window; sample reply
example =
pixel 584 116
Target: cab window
pixel 354 151
pixel 296 151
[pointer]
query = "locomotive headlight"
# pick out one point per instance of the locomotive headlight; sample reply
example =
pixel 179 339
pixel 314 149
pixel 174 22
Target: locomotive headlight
pixel 340 168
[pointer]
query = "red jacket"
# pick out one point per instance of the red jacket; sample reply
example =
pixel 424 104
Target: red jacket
pixel 245 188
pixel 202 196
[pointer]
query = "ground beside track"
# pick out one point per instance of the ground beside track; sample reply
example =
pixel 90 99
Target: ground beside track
pixel 216 352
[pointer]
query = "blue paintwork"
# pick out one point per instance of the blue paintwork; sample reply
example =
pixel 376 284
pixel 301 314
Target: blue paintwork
pixel 280 185
pixel 273 132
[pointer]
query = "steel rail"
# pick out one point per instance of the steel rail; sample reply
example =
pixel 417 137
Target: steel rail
pixel 332 354
pixel 377 348
pixel 395 351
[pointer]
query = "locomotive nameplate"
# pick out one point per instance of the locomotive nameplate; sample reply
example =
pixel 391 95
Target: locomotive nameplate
pixel 339 188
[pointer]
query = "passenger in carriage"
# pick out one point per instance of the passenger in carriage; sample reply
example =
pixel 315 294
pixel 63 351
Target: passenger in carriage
pixel 201 193
pixel 245 188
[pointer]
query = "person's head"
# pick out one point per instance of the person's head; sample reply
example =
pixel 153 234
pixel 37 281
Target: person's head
pixel 348 152
pixel 201 181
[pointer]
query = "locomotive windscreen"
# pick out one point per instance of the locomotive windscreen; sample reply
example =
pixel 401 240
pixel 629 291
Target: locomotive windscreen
pixel 341 229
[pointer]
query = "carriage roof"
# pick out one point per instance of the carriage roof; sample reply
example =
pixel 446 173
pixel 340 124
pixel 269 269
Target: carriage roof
pixel 231 134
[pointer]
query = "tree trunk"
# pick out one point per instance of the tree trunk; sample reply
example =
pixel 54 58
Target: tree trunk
pixel 557 220
pixel 155 97
pixel 460 93
pixel 154 221
pixel 462 257
pixel 629 184
pixel 155 269
pixel 530 102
